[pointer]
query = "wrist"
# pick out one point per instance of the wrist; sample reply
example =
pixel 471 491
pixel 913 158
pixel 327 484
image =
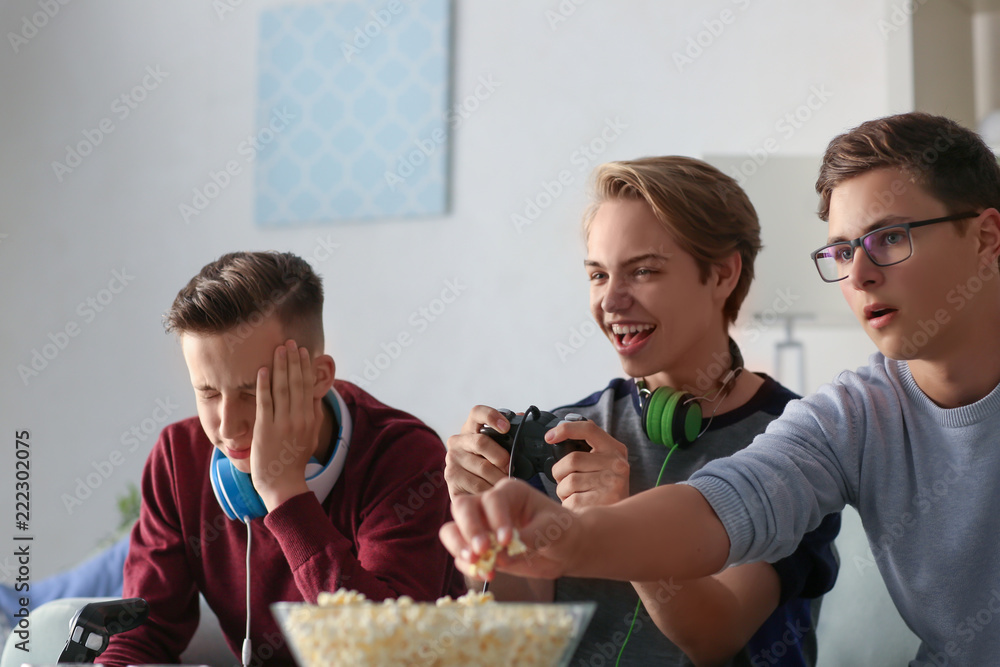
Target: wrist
pixel 577 541
pixel 275 496
pixel 590 530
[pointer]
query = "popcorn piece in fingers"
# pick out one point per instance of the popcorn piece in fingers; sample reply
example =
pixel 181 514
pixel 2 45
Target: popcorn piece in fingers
pixel 482 567
pixel 516 546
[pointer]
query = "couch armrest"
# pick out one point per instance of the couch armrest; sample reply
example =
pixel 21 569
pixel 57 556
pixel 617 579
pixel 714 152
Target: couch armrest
pixel 48 630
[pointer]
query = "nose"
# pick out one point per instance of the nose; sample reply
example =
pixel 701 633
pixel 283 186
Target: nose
pixel 618 297
pixel 864 272
pixel 232 420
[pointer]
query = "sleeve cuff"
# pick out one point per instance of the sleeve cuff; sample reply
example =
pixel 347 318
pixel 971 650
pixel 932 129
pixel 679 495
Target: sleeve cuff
pixel 303 529
pixel 732 512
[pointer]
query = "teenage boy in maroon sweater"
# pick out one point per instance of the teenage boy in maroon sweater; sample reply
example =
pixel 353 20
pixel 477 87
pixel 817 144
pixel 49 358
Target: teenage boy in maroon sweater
pixel 250 327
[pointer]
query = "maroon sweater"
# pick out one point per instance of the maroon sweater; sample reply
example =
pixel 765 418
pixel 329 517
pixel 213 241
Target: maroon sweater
pixel 377 533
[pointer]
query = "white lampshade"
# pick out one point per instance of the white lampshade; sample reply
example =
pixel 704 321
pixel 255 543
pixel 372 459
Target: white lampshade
pixel 989 129
pixel 782 190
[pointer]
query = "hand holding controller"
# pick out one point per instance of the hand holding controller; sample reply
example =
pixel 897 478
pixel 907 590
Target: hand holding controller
pixel 525 441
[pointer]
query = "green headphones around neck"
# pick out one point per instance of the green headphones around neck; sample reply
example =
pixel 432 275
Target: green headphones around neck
pixel 672 417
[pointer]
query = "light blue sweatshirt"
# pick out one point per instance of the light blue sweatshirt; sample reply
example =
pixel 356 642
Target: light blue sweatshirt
pixel 925 480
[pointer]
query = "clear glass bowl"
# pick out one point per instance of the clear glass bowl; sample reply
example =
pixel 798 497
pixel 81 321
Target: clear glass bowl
pixel 426 635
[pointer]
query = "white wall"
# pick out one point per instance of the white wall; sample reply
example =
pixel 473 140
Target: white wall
pixel 524 290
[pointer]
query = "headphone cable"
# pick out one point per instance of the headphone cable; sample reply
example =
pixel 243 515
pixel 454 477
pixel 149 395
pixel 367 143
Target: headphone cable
pixel 638 603
pixel 246 640
pixel 532 410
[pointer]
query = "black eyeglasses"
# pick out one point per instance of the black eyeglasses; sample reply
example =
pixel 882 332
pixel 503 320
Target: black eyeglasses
pixel 884 246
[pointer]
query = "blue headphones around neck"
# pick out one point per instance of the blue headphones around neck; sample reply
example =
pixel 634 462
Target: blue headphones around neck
pixel 234 489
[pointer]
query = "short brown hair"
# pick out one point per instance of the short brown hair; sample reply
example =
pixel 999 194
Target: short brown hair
pixel 951 163
pixel 706 211
pixel 246 287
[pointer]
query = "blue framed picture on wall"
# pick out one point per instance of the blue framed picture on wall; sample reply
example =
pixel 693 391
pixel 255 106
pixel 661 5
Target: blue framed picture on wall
pixel 352 98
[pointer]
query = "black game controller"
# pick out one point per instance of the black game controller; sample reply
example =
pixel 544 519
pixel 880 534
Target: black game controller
pixel 94 624
pixel 532 455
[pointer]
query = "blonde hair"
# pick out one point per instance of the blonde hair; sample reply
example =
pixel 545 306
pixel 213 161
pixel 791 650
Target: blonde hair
pixel 706 212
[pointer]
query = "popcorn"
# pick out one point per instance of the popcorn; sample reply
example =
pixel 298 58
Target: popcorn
pixel 346 629
pixel 483 566
pixel 342 596
pixel 516 546
pixel 470 599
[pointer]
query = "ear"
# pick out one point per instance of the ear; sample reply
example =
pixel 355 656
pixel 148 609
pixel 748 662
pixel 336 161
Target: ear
pixel 325 370
pixel 988 235
pixel 725 274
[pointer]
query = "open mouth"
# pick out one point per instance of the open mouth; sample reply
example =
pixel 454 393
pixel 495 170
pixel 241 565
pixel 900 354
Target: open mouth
pixel 629 334
pixel 875 313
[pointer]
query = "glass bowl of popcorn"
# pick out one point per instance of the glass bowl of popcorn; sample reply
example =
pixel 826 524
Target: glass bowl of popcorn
pixel 344 628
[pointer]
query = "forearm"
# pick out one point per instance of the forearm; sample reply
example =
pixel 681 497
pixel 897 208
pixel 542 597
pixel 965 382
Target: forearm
pixel 150 643
pixel 712 618
pixel 667 532
pixel 385 559
pixel 321 558
pixel 686 619
pixel 124 650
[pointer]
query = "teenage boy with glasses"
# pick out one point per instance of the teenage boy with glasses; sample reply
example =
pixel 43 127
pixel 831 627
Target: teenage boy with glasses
pixel 909 440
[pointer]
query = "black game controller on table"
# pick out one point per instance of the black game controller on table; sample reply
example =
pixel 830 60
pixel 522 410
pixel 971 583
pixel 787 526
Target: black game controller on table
pixel 525 441
pixel 96 622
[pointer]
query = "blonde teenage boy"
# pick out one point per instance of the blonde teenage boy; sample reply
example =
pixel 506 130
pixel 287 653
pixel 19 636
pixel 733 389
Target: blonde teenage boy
pixel 671 243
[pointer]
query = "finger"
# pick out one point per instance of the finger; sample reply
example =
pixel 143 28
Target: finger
pixel 483 415
pixel 598 439
pixel 582 430
pixel 593 488
pixel 482 446
pixel 501 504
pixel 265 407
pixel 578 482
pixel 543 521
pixel 296 407
pixel 471 523
pixel 465 484
pixel 468 473
pixel 514 504
pixel 308 409
pixel 451 538
pixel 589 462
pixel 308 372
pixel 279 383
pixel 579 501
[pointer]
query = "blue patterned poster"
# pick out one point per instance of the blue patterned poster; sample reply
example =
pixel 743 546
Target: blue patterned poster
pixel 351 111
